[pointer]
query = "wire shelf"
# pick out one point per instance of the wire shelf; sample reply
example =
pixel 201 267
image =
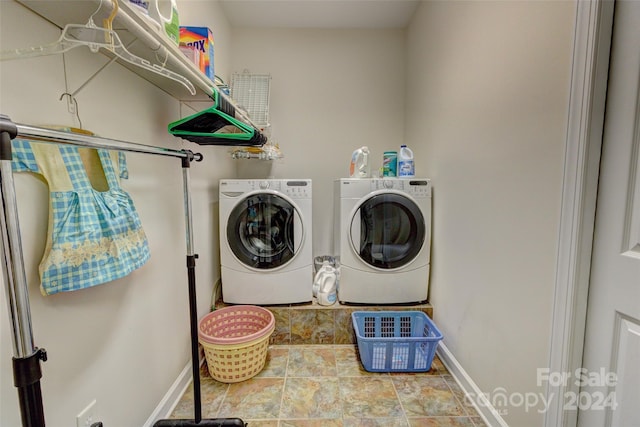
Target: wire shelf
pixel 251 92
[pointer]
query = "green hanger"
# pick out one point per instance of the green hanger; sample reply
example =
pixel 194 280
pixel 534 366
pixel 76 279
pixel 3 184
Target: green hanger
pixel 217 125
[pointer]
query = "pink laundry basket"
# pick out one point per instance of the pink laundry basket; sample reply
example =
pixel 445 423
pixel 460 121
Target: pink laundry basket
pixel 235 341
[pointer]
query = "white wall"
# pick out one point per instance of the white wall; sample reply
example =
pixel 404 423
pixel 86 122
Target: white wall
pixel 123 343
pixel 487 100
pixel 332 91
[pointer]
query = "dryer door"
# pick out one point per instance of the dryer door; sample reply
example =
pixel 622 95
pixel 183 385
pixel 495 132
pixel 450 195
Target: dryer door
pixel 388 231
pixel 264 231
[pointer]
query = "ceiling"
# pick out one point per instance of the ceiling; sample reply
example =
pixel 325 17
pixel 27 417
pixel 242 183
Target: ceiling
pixel 338 14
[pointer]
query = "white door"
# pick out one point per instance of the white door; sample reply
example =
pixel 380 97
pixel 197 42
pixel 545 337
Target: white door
pixel 610 378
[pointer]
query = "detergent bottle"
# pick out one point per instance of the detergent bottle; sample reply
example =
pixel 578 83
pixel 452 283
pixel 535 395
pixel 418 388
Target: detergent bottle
pixel 360 166
pixel 325 283
pixel 142 5
pixel 171 24
pixel 406 167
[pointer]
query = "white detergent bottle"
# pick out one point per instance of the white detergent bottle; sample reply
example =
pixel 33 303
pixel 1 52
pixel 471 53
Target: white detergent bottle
pixel 360 166
pixel 406 167
pixel 170 24
pixel 327 281
pixel 318 278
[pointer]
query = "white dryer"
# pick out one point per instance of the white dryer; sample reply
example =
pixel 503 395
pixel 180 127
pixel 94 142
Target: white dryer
pixel 382 236
pixel 265 241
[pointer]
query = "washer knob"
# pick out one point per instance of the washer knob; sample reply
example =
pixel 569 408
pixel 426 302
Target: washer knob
pixel 387 183
pixel 264 185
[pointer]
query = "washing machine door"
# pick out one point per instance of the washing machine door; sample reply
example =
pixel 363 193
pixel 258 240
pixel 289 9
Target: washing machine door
pixel 264 231
pixel 388 231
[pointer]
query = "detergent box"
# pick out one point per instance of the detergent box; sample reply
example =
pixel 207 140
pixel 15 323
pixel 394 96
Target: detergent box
pixel 200 38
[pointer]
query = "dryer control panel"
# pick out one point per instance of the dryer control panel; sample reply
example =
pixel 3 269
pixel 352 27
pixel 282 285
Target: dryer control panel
pixel 416 187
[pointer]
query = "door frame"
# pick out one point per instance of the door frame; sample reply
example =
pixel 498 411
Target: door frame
pixel 583 146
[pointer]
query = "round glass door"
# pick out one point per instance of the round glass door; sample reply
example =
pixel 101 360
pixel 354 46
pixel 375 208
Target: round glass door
pixel 262 232
pixel 388 231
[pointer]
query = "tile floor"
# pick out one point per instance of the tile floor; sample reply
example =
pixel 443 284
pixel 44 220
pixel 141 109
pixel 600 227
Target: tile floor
pixel 325 385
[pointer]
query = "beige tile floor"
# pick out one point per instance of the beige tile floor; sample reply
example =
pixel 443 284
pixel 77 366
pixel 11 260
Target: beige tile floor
pixel 325 385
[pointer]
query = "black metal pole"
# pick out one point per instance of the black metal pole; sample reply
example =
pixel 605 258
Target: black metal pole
pixel 193 321
pixel 26 360
pixel 26 377
pixel 191 276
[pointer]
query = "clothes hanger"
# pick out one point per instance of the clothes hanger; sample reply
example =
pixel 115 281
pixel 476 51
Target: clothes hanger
pixel 95 38
pixel 220 124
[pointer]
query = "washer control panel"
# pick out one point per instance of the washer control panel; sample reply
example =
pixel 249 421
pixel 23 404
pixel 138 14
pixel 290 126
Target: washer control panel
pixel 297 189
pixel 294 188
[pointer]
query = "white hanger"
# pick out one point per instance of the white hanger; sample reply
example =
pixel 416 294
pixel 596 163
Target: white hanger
pixel 95 38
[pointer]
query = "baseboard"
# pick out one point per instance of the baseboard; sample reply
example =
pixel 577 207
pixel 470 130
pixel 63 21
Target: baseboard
pixel 172 397
pixel 488 413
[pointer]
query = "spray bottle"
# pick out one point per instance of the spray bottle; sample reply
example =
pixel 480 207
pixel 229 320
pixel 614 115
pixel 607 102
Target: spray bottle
pixel 360 166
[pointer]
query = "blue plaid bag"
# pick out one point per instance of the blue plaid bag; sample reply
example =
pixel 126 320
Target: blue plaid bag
pixel 94 236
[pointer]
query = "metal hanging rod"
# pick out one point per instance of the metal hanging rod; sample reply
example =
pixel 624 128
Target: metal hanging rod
pixel 27 357
pixel 57 136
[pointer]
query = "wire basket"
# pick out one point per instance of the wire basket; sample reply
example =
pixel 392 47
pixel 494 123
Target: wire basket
pixel 395 341
pixel 235 341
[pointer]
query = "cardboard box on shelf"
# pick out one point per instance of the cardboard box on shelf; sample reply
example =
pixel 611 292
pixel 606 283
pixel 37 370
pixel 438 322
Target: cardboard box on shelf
pixel 201 38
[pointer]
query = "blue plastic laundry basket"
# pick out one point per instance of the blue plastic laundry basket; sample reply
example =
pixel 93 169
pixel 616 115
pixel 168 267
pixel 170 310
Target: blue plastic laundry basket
pixel 395 341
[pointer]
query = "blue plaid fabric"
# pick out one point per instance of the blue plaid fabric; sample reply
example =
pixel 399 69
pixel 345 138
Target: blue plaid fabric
pixel 94 236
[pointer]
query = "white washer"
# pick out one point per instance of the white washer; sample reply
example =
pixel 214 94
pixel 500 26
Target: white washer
pixel 265 241
pixel 382 237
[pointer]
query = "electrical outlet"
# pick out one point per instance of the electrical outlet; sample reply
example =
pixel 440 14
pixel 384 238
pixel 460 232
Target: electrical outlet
pixel 88 415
